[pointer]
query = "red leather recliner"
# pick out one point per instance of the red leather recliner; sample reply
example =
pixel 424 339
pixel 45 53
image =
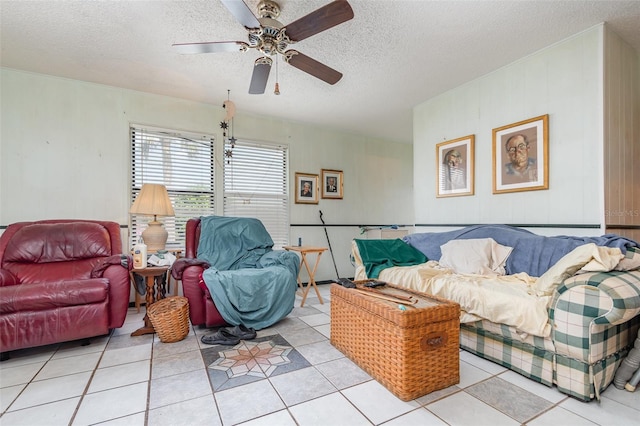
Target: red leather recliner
pixel 61 280
pixel 202 310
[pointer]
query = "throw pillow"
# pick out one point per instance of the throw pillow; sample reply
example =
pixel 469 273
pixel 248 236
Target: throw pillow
pixel 475 256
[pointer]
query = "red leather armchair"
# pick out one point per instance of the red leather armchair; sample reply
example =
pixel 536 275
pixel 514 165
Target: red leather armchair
pixel 61 280
pixel 202 310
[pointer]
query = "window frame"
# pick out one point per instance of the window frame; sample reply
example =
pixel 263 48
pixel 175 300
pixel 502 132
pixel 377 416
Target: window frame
pixel 187 203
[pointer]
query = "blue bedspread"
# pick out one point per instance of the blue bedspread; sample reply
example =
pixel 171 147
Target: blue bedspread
pixel 533 254
pixel 250 283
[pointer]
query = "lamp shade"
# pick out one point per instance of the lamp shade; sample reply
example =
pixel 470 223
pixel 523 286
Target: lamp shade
pixel 152 200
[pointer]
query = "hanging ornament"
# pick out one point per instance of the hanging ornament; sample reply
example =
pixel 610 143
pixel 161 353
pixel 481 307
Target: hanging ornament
pixel 227 126
pixel 231 109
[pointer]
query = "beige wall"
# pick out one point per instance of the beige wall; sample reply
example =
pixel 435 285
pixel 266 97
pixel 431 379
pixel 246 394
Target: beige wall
pixel 64 153
pixel 565 81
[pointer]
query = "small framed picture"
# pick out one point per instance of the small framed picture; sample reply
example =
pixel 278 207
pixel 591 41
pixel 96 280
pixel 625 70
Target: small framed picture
pixel 332 184
pixel 306 188
pixel 521 156
pixel 455 167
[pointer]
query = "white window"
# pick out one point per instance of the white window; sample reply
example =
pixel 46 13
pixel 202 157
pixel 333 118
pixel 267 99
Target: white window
pixel 255 185
pixel 184 163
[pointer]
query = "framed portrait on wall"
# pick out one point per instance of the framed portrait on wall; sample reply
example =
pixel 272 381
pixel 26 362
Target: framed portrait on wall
pixel 306 188
pixel 521 156
pixel 332 186
pixel 454 166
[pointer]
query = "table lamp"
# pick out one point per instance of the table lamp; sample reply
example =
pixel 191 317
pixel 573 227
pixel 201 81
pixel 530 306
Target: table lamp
pixel 153 199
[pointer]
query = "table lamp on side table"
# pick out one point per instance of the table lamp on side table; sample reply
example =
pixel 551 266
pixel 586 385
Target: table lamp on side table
pixel 153 199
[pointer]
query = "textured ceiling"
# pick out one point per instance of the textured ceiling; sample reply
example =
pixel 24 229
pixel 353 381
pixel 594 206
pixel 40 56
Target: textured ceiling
pixel 393 54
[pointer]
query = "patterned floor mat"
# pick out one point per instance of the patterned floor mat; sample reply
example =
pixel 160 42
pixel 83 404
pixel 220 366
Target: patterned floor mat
pixel 250 361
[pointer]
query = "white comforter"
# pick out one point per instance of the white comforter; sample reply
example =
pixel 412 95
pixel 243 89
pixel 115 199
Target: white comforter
pixel 519 300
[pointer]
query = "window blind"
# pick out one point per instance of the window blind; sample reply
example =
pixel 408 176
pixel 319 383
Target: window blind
pixel 255 185
pixel 184 163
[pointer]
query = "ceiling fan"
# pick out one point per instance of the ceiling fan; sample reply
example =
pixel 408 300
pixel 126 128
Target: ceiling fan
pixel 271 38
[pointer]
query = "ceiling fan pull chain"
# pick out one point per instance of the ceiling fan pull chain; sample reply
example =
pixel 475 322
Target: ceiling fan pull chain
pixel 277 90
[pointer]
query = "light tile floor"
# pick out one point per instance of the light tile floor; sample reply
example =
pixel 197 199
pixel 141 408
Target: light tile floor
pixel 124 380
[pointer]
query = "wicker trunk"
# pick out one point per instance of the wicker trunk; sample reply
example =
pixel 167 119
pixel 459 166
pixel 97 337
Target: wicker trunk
pixel 411 349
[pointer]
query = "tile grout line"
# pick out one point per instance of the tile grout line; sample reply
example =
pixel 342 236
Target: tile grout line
pixel 148 404
pixel 93 373
pixel 28 383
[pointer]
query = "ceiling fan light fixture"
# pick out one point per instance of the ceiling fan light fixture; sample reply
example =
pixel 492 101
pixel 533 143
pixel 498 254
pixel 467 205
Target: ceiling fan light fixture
pixel 268 9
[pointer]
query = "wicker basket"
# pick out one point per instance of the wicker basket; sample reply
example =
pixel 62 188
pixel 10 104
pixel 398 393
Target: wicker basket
pixel 170 318
pixel 411 351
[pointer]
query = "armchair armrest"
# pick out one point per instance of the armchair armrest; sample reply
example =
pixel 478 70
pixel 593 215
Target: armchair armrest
pixel 284 258
pixel 191 275
pixel 7 278
pixel 118 259
pixel 116 269
pixel 181 264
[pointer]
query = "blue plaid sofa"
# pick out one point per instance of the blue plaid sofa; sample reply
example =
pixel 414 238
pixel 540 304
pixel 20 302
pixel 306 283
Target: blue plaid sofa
pixel 594 319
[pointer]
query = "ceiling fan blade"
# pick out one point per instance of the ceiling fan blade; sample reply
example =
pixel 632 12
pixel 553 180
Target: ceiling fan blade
pixel 242 13
pixel 260 75
pixel 211 47
pixel 313 67
pixel 328 16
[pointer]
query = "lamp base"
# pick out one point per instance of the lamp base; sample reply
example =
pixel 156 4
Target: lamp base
pixel 155 236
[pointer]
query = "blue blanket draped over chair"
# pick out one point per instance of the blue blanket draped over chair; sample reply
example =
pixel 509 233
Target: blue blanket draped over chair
pixel 250 283
pixel 533 254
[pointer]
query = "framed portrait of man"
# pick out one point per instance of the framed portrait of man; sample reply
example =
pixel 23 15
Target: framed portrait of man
pixel 454 166
pixel 521 156
pixel 306 188
pixel 332 186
